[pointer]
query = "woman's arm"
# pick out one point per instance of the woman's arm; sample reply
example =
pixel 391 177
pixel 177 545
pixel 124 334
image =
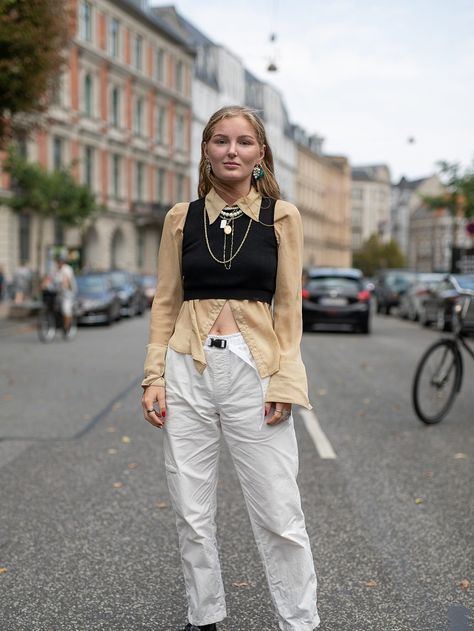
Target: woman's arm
pixel 289 384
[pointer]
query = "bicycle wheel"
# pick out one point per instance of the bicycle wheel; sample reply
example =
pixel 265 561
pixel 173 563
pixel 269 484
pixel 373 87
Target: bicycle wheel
pixel 46 326
pixel 437 381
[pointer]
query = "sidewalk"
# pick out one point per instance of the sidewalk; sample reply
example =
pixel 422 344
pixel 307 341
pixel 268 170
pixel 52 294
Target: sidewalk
pixel 24 323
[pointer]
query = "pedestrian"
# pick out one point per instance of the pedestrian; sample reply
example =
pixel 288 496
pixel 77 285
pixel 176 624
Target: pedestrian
pixel 65 283
pixel 224 359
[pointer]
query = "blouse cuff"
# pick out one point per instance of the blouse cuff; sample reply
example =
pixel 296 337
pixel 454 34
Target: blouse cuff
pixel 289 385
pixel 154 365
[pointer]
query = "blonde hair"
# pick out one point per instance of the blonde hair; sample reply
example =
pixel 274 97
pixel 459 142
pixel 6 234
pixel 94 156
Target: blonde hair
pixel 267 186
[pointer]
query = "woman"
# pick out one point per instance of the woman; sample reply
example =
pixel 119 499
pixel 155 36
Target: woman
pixel 225 332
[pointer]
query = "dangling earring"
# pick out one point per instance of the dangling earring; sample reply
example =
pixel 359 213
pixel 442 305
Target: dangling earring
pixel 258 172
pixel 208 168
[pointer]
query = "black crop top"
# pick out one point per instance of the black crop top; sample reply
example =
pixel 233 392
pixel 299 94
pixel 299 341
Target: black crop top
pixel 252 275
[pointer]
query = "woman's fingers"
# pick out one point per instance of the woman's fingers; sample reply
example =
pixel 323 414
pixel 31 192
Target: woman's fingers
pixel 154 414
pixel 281 413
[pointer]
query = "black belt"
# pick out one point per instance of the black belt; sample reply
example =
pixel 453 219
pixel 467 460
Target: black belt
pixel 217 342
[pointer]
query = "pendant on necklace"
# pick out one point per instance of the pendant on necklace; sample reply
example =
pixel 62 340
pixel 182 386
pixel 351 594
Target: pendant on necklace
pixel 223 223
pixel 227 229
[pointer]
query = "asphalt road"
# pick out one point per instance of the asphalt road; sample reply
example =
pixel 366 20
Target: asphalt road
pixel 87 533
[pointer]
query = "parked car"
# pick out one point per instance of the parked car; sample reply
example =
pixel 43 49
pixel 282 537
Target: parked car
pixel 97 299
pixel 148 283
pixel 446 299
pixel 333 295
pixel 390 284
pixel 130 292
pixel 413 299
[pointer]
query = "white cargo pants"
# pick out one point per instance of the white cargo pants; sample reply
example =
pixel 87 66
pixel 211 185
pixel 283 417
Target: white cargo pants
pixel 228 398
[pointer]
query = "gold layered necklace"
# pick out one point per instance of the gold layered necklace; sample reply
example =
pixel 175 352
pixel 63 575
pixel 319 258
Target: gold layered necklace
pixel 228 216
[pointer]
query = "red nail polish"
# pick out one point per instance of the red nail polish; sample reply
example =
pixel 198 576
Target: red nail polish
pixel 163 414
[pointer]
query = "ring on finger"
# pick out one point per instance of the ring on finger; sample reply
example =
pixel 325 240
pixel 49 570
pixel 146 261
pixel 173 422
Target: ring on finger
pixel 152 410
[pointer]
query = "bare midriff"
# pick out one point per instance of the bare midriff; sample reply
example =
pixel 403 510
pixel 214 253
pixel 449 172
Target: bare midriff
pixel 225 323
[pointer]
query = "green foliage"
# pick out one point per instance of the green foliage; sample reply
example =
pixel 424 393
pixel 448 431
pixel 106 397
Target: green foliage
pixel 458 197
pixel 33 38
pixel 48 193
pixel 375 255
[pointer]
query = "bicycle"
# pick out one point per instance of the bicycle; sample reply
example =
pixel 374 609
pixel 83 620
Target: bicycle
pixel 441 371
pixel 50 318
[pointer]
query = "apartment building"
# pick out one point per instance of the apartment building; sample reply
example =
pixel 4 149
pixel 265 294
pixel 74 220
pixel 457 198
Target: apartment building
pixel 323 196
pixel 122 117
pixel 370 207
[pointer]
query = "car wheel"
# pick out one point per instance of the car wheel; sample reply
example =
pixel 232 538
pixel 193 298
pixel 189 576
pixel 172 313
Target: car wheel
pixel 365 326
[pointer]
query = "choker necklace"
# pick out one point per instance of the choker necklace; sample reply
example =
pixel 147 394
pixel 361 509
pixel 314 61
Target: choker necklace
pixel 228 215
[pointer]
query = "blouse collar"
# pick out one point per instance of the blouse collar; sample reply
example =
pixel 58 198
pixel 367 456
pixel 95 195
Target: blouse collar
pixel 250 204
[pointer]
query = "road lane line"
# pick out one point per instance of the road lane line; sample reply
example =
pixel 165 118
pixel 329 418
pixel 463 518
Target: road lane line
pixel 320 440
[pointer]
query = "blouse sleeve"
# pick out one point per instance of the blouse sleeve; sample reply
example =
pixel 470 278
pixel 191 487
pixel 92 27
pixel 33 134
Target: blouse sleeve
pixel 289 384
pixel 168 298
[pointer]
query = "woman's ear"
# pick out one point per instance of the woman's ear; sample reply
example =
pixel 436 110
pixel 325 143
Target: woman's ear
pixel 262 152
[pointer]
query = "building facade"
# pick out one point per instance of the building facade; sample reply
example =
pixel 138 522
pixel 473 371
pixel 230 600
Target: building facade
pixel 323 189
pixel 370 205
pixel 122 118
pixel 406 198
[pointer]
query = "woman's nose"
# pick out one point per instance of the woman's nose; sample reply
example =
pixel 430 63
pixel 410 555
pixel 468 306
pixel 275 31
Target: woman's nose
pixel 232 150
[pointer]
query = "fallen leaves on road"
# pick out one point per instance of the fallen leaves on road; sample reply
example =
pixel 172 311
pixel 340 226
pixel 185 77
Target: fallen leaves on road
pixel 460 456
pixel 7 397
pixel 161 505
pixel 86 417
pixel 370 583
pixel 464 584
pixel 366 401
pixel 240 584
pixel 3 570
pixel 126 440
pixel 428 474
pixel 111 451
pixel 133 465
pixel 117 485
pixel 419 500
pixel 111 429
pixel 116 406
pixel 322 392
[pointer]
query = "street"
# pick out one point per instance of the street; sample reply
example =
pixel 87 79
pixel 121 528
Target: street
pixel 87 531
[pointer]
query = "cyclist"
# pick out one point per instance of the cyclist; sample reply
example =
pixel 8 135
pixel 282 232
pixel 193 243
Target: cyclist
pixel 66 285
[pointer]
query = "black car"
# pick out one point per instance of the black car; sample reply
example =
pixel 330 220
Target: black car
pixel 333 295
pixel 131 294
pixel 390 285
pixel 445 301
pixel 148 283
pixel 98 302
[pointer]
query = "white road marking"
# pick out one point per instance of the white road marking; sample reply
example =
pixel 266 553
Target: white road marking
pixel 320 440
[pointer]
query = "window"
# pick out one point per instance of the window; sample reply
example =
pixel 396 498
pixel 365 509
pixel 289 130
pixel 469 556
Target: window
pixel 180 77
pixel 25 234
pixel 114 34
pixel 140 247
pixel 180 187
pixel 138 51
pixel 160 125
pixel 161 185
pixel 57 92
pixel 57 153
pixel 160 65
pixel 139 180
pixel 88 95
pixel 85 21
pixel 22 147
pixel 89 167
pixel 115 106
pixel 116 174
pixel 138 117
pixel 179 135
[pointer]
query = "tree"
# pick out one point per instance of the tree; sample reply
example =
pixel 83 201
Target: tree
pixel 375 255
pixel 48 194
pixel 33 38
pixel 458 198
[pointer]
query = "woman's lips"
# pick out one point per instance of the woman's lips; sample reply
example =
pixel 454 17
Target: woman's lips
pixel 231 164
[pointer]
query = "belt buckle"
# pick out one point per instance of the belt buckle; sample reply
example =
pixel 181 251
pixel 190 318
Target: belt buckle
pixel 217 342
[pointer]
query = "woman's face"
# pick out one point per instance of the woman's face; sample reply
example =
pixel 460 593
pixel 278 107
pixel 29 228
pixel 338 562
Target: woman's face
pixel 233 150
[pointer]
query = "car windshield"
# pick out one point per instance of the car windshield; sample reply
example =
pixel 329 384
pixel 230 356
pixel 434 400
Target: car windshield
pixel 119 279
pixel 465 282
pixel 326 283
pixel 91 284
pixel 400 280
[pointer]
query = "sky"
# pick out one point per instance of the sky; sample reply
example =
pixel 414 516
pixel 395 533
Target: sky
pixel 365 75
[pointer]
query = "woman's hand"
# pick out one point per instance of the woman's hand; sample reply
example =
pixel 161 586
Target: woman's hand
pixel 280 412
pixel 151 395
